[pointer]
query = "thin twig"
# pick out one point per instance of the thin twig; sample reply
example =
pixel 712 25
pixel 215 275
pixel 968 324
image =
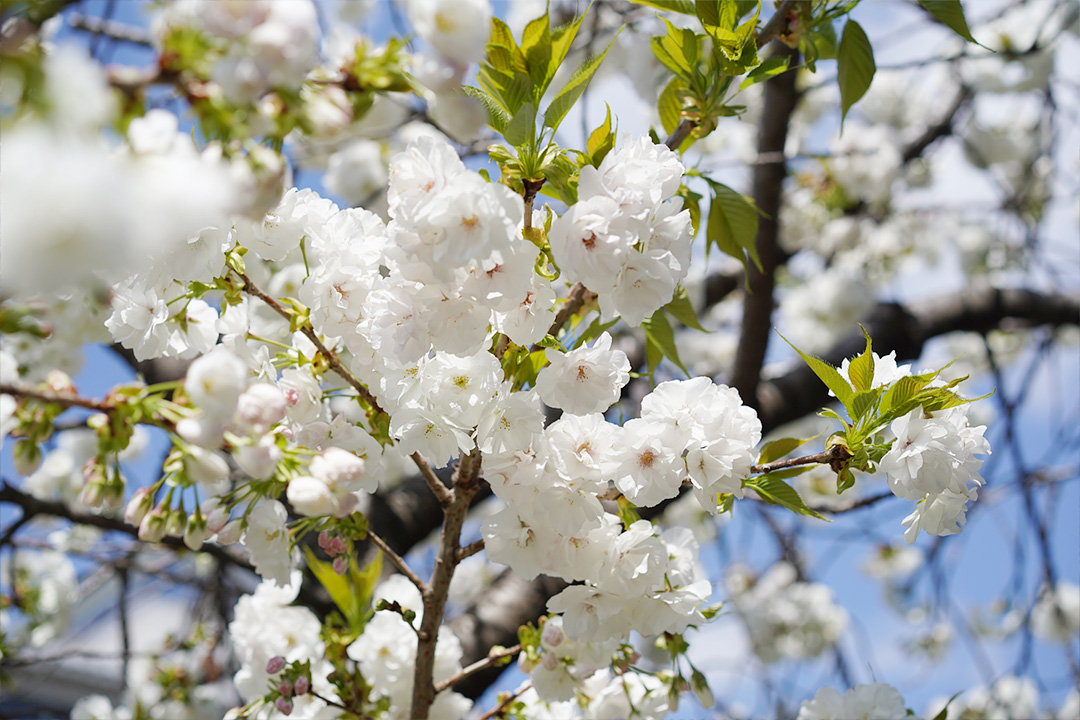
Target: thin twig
pixel 470 549
pixel 443 494
pixel 505 702
pixel 398 561
pixel 476 667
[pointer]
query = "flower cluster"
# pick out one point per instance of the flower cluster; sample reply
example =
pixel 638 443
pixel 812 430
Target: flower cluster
pixel 625 239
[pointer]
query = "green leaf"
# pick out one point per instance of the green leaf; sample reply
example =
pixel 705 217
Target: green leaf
pixel 949 13
pixel 724 15
pixel 945 710
pixel 337 586
pixel 536 46
pixel 692 203
pixel 628 514
pixel 660 339
pixel 670 103
pixel 774 490
pixel 522 127
pixel 861 368
pixel 845 480
pixel 855 66
pixel 828 375
pixel 498 118
pixel 601 140
pixel 501 34
pixel 561 40
pixel 683 7
pixel 770 68
pixel 733 224
pixel 595 330
pixel 863 403
pixel 682 309
pixel 779 448
pixel 576 85
pixel 678 51
pixel 364 581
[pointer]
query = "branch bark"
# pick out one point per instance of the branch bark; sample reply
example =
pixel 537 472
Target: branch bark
pixel 756 328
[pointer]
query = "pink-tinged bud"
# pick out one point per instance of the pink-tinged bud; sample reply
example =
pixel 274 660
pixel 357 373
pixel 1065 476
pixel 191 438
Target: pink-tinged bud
pixel 230 533
pixel 284 705
pixel 324 541
pixel 337 546
pixel 152 527
pixel 302 686
pixel 341 564
pixel 113 497
pixel 275 665
pixel 285 689
pixel 215 513
pixel 92 495
pixel 60 382
pixel 138 506
pixel 552 635
pixel 550 661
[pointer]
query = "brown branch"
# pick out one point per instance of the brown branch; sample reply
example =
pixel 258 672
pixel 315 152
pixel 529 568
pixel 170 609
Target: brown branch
pixel 471 549
pixel 505 702
pixel 491 660
pixel 55 398
pixel 466 484
pixel 309 332
pixel 777 25
pixel 579 295
pixel 397 560
pixel 442 493
pixel 942 128
pixel 110 28
pixel 756 327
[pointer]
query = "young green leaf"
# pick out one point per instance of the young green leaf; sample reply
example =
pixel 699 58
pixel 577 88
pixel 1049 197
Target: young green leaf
pixel 670 103
pixel 777 449
pixel 576 85
pixel 855 66
pixel 683 7
pixel 498 118
pixel 774 490
pixel 828 375
pixel 522 127
pixel 601 140
pixel 949 13
pixel 861 368
pixel 682 309
pixel 660 339
pixel 561 40
pixel 770 68
pixel 733 224
pixel 536 46
pixel 678 51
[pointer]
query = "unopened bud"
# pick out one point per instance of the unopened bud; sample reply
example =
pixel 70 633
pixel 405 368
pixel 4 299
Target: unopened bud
pixel 701 689
pixel 302 686
pixel 275 665
pixel 195 533
pixel 137 507
pixel 341 564
pixel 175 523
pixel 284 705
pixel 285 689
pixel 152 527
pixel 230 533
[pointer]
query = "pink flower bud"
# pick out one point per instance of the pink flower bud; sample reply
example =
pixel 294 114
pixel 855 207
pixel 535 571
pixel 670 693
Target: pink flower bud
pixel 285 689
pixel 341 564
pixel 337 546
pixel 302 686
pixel 275 665
pixel 284 706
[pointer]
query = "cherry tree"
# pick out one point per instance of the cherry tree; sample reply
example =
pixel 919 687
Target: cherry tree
pixel 461 348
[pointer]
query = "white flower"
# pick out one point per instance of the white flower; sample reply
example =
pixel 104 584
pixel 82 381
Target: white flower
pixel 266 538
pixel 1056 616
pixel 357 171
pixel 214 383
pixel 585 380
pixel 876 701
pixel 458 29
pixel 311 496
pixel 934 453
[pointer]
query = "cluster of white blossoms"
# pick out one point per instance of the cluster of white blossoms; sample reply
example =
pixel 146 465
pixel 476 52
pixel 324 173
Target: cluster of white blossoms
pixel 933 463
pixel 386 654
pixel 876 701
pixel 604 696
pixel 266 626
pixel 625 238
pixel 786 617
